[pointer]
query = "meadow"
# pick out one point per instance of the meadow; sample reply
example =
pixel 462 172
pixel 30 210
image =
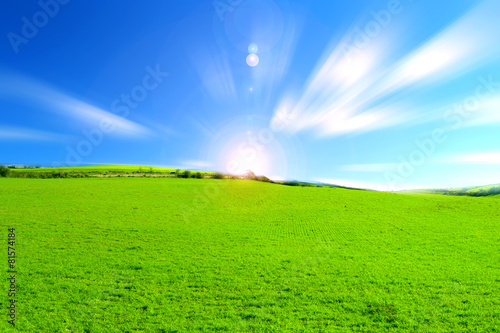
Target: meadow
pixel 206 255
pixel 96 169
pixel 103 171
pixel 474 191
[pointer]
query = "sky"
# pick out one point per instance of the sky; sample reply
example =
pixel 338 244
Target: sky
pixel 386 95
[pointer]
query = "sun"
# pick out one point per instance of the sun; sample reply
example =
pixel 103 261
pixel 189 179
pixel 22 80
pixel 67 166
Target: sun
pixel 247 158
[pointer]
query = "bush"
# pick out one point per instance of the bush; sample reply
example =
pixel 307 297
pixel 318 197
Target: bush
pixel 198 175
pixel 4 171
pixel 186 174
pixel 218 175
pixel 264 179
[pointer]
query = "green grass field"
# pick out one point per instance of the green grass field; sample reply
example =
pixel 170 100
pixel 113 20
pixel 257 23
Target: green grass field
pixel 205 255
pixel 470 190
pixel 98 169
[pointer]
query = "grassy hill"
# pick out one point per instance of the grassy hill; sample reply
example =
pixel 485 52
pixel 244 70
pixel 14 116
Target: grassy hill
pixel 488 190
pixel 473 189
pixel 185 255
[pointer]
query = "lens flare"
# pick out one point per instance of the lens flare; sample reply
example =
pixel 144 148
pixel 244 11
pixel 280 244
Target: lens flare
pixel 253 48
pixel 245 158
pixel 247 142
pixel 252 60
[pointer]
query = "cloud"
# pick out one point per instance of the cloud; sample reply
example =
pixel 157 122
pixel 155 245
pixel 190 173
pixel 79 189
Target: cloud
pixel 488 113
pixel 37 93
pixel 474 158
pixel 485 158
pixel 19 133
pixel 356 93
pixel 467 42
pixel 91 114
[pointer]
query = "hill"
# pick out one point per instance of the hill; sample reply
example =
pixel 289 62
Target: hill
pixel 474 191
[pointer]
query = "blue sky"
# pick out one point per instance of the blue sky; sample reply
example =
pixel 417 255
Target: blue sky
pixel 378 94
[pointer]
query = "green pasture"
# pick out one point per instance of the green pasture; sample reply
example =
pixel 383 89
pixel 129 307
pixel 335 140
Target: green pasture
pixel 208 255
pixel 98 169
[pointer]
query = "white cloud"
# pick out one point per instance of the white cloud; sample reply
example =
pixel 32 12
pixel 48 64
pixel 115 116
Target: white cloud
pixel 88 113
pixel 468 41
pixel 36 93
pixel 340 95
pixel 487 113
pixel 476 158
pixel 485 158
pixel 19 133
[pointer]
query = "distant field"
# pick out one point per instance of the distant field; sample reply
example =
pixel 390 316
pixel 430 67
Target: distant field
pixel 473 189
pixel 186 255
pixel 488 190
pixel 98 168
pixel 104 171
pixel 479 188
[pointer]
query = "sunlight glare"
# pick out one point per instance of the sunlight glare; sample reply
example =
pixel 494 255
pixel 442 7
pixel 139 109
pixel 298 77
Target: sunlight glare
pixel 247 158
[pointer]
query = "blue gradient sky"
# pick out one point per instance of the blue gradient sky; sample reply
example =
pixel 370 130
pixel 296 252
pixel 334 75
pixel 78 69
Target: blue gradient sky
pixel 379 94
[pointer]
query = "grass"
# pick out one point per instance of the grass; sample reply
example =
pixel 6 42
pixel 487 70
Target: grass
pixel 93 168
pixel 98 169
pixel 159 255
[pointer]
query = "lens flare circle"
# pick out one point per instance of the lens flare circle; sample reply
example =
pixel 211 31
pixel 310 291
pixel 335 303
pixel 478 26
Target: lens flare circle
pixel 253 48
pixel 252 60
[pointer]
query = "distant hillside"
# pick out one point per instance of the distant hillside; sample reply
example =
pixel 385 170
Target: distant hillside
pixel 473 191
